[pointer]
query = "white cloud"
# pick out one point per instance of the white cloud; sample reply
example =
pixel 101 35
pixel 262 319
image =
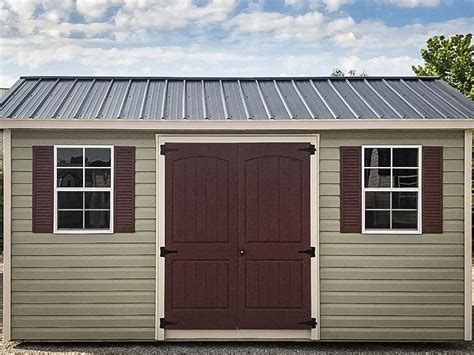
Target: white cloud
pixel 94 9
pixel 6 81
pixel 413 3
pixel 380 65
pixel 328 5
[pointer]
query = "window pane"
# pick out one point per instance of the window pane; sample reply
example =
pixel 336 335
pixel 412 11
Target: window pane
pixel 70 200
pixel 69 177
pixel 69 219
pixel 97 219
pixel 377 177
pixel 97 157
pixel 375 157
pixel 97 200
pixel 404 219
pixel 377 219
pixel 98 177
pixel 405 178
pixel 404 200
pixel 69 156
pixel 377 200
pixel 405 157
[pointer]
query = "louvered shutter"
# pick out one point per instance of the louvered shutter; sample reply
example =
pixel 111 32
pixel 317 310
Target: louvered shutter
pixel 350 190
pixel 124 190
pixel 432 190
pixel 43 189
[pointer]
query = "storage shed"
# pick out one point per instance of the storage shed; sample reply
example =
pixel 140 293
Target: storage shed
pixel 162 209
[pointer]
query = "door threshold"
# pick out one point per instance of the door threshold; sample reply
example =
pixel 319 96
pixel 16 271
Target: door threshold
pixel 238 335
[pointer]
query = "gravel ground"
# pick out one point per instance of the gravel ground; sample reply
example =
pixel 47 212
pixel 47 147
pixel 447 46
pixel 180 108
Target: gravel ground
pixel 238 348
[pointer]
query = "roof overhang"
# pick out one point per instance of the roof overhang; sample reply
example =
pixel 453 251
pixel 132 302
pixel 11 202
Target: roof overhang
pixel 238 125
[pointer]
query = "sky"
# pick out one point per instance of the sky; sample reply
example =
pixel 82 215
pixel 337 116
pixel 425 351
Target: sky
pixel 221 37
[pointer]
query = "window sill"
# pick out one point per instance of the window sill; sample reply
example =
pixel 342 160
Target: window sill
pixel 391 232
pixel 81 231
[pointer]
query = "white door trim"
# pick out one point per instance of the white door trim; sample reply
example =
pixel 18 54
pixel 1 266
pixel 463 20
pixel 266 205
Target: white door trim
pixel 161 334
pixel 467 235
pixel 7 228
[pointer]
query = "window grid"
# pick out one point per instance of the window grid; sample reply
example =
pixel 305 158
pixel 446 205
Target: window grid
pixel 83 189
pixel 391 190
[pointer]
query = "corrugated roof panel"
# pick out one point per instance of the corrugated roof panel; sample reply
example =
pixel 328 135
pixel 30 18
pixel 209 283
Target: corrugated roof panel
pixel 114 100
pixel 337 106
pixel 292 99
pixel 418 103
pixel 133 103
pixel 18 97
pixel 275 105
pixel 35 98
pixel 235 107
pixel 214 105
pixel 74 99
pixel 9 93
pixel 252 99
pixel 461 102
pixel 92 103
pixel 432 98
pixel 377 104
pixel 194 109
pixel 53 102
pixel 174 100
pixel 314 102
pixel 392 98
pixel 354 101
pixel 154 100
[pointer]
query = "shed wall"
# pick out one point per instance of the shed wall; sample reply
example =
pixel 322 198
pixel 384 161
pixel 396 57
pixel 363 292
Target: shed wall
pixel 392 286
pixel 83 286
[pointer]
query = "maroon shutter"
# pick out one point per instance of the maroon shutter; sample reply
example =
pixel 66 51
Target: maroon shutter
pixel 43 189
pixel 432 190
pixel 351 180
pixel 124 197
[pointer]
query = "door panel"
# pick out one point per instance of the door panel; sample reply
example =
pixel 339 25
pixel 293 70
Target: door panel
pixel 274 207
pixel 201 225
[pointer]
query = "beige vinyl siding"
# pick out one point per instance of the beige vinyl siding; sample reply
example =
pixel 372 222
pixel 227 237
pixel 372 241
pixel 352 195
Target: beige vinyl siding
pixel 392 287
pixel 89 286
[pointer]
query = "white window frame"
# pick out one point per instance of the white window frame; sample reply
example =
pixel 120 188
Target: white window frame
pixel 110 189
pixel 393 189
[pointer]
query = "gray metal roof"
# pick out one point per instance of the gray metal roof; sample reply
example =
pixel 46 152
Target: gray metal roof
pixel 233 98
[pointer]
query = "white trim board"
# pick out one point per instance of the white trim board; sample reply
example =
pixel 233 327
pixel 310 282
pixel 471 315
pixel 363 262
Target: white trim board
pixel 7 199
pixel 467 235
pixel 238 125
pixel 161 334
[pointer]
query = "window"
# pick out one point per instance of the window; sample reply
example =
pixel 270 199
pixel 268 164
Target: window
pixel 391 193
pixel 83 189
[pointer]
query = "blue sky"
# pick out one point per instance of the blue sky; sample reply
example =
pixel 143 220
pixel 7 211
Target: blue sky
pixel 221 37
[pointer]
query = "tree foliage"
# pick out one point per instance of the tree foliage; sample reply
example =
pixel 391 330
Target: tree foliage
pixel 452 59
pixel 352 72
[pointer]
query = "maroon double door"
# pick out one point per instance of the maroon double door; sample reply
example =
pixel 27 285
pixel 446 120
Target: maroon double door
pixel 237 236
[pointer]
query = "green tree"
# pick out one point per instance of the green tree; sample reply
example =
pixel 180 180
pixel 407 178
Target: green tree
pixel 452 59
pixel 352 72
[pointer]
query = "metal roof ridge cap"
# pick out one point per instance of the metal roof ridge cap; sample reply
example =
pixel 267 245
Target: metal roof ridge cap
pixel 287 108
pixel 145 94
pixel 443 99
pixel 242 97
pixel 381 98
pixel 343 100
pixel 224 103
pixel 403 99
pixel 260 93
pixel 163 101
pixel 35 111
pixel 422 98
pixel 107 92
pixel 363 100
pixel 322 99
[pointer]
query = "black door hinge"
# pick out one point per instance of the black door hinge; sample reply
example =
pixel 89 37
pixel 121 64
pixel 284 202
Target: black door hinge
pixel 164 251
pixel 312 323
pixel 164 323
pixel 164 149
pixel 311 252
pixel 311 149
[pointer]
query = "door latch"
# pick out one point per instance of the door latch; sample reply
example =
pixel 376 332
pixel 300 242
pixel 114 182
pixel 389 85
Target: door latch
pixel 311 252
pixel 312 323
pixel 164 251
